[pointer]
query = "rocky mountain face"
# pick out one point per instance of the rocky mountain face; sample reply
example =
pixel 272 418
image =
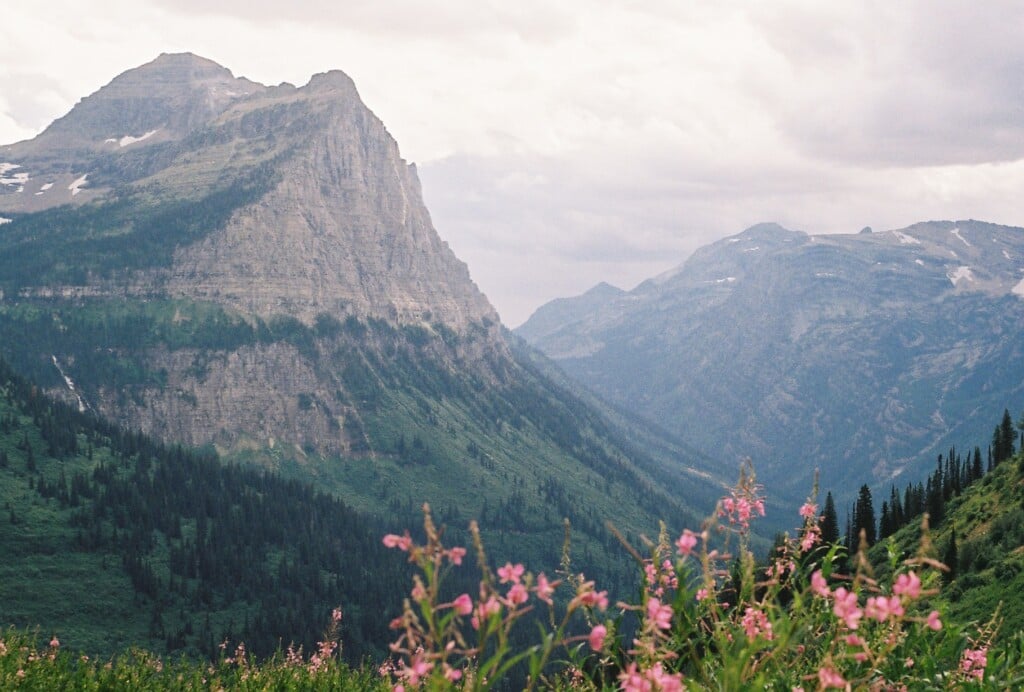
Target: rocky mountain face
pixel 863 355
pixel 218 262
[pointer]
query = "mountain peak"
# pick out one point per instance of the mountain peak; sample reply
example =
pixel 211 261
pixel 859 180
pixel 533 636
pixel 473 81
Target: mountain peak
pixel 332 80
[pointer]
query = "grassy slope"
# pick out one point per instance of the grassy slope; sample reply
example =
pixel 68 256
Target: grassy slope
pixel 988 519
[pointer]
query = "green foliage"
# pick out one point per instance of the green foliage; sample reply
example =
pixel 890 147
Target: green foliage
pixel 110 539
pixel 76 245
pixel 26 663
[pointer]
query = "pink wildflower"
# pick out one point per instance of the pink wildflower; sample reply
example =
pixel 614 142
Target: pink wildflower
pixel 456 554
pixel 819 585
pixel 878 608
pixel 854 640
pixel 829 677
pixel 419 668
pixel 974 661
pixel 544 588
pixel 933 620
pixel 809 510
pixel 810 538
pixel 632 680
pixel 597 636
pixel 846 608
pixel 587 596
pixel 755 623
pixel 54 643
pixel 517 595
pixel 666 682
pixel 452 674
pixel 702 594
pixel 908 585
pixel 403 543
pixel 660 615
pixel 687 542
pixel 463 604
pixel 511 573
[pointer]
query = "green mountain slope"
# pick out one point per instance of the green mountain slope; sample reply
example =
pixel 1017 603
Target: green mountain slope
pixel 986 525
pixel 111 540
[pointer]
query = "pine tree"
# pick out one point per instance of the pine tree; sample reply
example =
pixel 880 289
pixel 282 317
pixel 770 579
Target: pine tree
pixel 864 516
pixel 885 528
pixel 829 522
pixel 1008 435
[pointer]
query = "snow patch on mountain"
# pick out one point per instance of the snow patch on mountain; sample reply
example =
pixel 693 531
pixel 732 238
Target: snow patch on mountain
pixel 129 139
pixel 961 274
pixel 4 220
pixel 956 232
pixel 18 179
pixel 44 188
pixel 906 239
pixel 76 186
pixel 1007 255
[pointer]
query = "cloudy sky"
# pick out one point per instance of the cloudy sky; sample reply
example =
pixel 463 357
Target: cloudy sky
pixel 565 142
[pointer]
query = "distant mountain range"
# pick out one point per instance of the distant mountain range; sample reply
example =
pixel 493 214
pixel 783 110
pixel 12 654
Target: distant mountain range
pixel 221 263
pixel 861 355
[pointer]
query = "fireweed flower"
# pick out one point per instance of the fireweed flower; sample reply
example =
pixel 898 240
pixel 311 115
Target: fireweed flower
pixel 755 623
pixel 908 585
pixel 846 608
pixel 511 573
pixel 809 511
pixel 819 585
pixel 933 621
pixel 544 589
pixel 660 615
pixel 463 604
pixel 686 542
pixel 517 595
pixel 456 554
pixel 829 677
pixel 973 662
pixel 403 543
pixel 596 638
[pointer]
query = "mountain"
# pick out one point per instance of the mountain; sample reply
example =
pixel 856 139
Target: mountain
pixel 112 540
pixel 862 354
pixel 216 262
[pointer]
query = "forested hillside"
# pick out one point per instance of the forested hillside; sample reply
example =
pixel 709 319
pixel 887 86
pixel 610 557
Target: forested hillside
pixel 112 540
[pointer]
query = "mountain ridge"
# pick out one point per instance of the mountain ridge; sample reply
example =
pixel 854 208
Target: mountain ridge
pixel 858 353
pixel 268 282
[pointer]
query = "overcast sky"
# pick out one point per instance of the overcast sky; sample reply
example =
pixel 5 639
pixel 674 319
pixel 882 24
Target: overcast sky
pixel 565 142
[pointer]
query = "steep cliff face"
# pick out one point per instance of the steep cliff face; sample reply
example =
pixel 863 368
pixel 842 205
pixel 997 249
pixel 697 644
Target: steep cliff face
pixel 253 268
pixel 338 223
pixel 344 230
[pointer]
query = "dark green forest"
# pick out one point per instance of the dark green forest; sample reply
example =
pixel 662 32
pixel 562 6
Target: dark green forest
pixel 189 551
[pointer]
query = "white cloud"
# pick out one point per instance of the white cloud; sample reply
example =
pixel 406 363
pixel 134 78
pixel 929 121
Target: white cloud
pixel 565 143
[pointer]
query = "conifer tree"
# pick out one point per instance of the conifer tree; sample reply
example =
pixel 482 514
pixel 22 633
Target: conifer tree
pixel 864 516
pixel 829 522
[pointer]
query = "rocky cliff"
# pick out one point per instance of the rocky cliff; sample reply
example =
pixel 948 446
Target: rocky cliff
pixel 218 262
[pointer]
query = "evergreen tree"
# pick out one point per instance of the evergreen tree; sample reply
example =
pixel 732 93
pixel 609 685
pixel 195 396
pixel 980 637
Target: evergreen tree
pixel 864 516
pixel 829 522
pixel 885 528
pixel 1008 435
